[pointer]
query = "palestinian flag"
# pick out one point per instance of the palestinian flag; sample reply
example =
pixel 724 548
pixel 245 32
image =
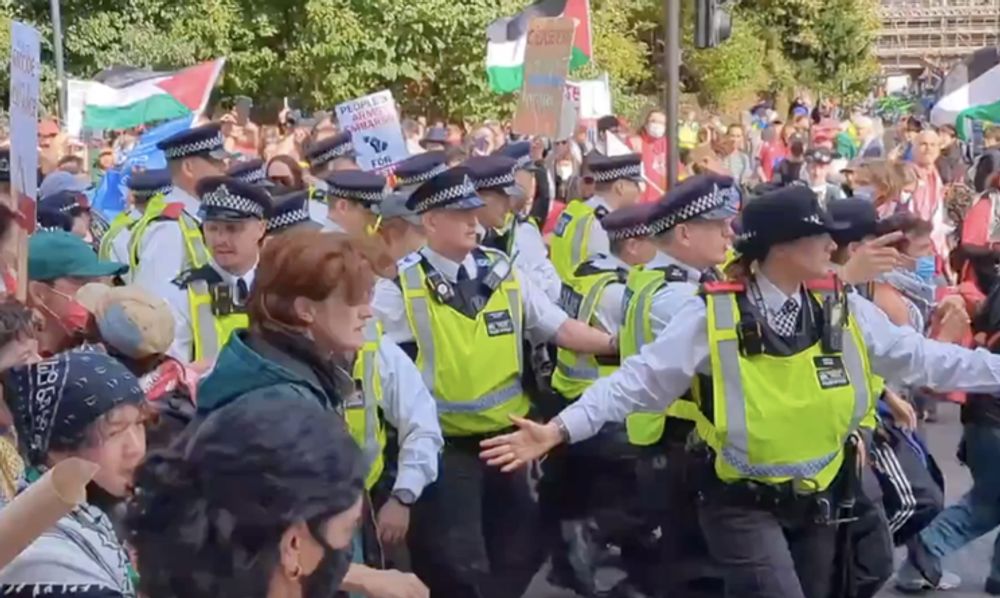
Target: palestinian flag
pixel 509 36
pixel 970 91
pixel 124 97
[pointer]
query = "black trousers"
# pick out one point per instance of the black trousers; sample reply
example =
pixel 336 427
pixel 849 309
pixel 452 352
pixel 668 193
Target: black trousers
pixel 474 531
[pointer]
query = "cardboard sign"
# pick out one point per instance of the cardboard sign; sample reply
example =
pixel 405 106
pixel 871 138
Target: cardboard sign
pixel 25 72
pixel 590 98
pixel 374 125
pixel 546 61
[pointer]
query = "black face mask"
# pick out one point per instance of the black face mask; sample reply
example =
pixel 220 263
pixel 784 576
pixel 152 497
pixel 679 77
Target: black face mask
pixel 325 581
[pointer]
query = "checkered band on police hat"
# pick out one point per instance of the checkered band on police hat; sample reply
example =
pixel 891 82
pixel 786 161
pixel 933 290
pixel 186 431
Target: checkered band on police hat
pixel 446 196
pixel 210 144
pixel 337 151
pixel 493 182
pixel 366 196
pixel 222 198
pixel 290 218
pixel 630 232
pixel 147 193
pixel 718 198
pixel 253 176
pixel 627 171
pixel 522 161
pixel 422 177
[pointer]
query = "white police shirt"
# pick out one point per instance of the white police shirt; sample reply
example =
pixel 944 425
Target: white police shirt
pixel 598 243
pixel 542 317
pixel 409 407
pixel 664 369
pixel 671 296
pixel 533 259
pixel 332 226
pixel 319 212
pixel 610 311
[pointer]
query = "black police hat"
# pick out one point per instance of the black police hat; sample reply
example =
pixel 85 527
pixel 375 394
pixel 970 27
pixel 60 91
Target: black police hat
pixel 145 184
pixel 706 196
pixel 491 172
pixel 206 141
pixel 253 172
pixel 782 216
pixel 520 151
pixel 418 169
pixel 435 135
pixel 327 150
pixel 290 210
pixel 4 165
pixel 364 187
pixel 451 190
pixel 608 169
pixel 226 198
pixel 859 214
pixel 630 222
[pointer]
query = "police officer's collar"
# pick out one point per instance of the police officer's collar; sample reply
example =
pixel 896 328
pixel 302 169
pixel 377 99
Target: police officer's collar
pixel 774 297
pixel 663 260
pixel 449 268
pixel 596 201
pixel 230 278
pixel 609 262
pixel 332 226
pixel 190 202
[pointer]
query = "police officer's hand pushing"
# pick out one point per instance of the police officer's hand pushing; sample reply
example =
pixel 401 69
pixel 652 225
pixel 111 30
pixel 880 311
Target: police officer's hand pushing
pixel 766 344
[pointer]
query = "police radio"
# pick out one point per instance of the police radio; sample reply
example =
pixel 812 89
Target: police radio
pixel 834 320
pixel 439 287
pixel 497 274
pixel 222 300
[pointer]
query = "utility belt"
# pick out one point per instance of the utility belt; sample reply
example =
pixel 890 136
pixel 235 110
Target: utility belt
pixel 832 506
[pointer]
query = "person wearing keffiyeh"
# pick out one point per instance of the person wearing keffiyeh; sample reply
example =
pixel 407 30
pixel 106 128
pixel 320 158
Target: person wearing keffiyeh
pixel 80 403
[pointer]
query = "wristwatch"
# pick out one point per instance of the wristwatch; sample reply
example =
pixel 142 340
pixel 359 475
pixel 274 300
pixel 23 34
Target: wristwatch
pixel 404 497
pixel 563 430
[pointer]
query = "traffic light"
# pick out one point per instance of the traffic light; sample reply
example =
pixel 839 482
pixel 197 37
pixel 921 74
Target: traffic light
pixel 712 23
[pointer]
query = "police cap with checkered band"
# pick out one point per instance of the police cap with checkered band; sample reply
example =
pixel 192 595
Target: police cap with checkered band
pixel 144 184
pixel 494 173
pixel 205 141
pixel 416 170
pixel 520 151
pixel 250 171
pixel 783 216
pixel 608 169
pixel 451 190
pixel 629 222
pixel 702 197
pixel 226 198
pixel 329 149
pixel 290 210
pixel 363 187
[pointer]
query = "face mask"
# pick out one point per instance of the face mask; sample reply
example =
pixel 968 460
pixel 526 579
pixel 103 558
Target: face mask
pixel 926 268
pixel 75 318
pixel 325 580
pixel 564 171
pixel 656 130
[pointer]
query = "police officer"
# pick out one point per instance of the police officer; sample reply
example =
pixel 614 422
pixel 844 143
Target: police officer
pixel 817 174
pixel 330 155
pixel 146 188
pixel 169 241
pixel 578 233
pixel 352 195
pixel 597 477
pixel 251 172
pixel 234 216
pixel 290 212
pixel 400 227
pixel 791 368
pixel 461 312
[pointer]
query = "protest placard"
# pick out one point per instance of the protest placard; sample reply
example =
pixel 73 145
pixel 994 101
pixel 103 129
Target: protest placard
pixel 374 125
pixel 25 71
pixel 540 109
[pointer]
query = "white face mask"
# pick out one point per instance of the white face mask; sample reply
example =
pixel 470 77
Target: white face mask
pixel 656 130
pixel 564 171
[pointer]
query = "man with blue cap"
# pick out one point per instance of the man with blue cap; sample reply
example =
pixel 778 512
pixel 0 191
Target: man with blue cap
pixel 234 216
pixel 146 188
pixel 352 196
pixel 462 312
pixel 506 230
pixel 578 233
pixel 172 242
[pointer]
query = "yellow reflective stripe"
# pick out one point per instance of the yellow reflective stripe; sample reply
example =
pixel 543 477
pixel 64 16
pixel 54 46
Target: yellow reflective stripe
pixel 422 324
pixel 577 371
pixel 514 300
pixel 372 448
pixel 204 334
pixel 194 242
pixel 580 235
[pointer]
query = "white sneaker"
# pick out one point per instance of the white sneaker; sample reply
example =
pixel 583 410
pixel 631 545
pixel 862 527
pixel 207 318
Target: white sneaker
pixel 910 581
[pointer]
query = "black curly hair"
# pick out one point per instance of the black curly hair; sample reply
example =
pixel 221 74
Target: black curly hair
pixel 209 511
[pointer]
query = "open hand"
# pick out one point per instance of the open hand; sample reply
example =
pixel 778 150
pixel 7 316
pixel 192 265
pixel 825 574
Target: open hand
pixel 516 449
pixel 874 258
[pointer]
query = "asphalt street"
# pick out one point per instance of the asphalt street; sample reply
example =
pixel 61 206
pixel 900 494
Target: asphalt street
pixel 972 563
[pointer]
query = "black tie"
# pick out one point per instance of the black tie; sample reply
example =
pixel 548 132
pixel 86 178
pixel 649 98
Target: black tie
pixel 242 292
pixel 462 274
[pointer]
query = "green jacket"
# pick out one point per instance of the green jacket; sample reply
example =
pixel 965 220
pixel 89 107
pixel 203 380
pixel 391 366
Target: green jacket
pixel 251 364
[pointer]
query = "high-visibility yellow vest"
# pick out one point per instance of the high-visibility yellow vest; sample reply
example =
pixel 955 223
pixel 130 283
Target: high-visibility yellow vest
pixel 575 372
pixel 472 366
pixel 777 419
pixel 127 220
pixel 210 330
pixel 362 412
pixel 195 252
pixel 570 242
pixel 646 428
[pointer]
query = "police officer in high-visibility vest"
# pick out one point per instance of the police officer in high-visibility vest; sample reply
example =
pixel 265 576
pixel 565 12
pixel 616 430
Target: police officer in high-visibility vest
pixel 169 241
pixel 461 311
pixel 234 216
pixel 692 230
pixel 252 172
pixel 147 189
pixel 324 157
pixel 290 212
pixel 578 233
pixel 597 477
pixel 506 230
pixel 352 196
pixel 791 366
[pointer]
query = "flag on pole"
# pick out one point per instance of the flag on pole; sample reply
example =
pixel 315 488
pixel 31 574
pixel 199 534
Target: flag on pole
pixel 125 97
pixel 971 91
pixel 507 38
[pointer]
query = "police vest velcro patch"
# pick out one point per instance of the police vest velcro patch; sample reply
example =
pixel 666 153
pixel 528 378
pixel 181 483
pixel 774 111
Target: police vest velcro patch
pixel 355 400
pixel 562 223
pixel 498 323
pixel 830 371
pixel 570 301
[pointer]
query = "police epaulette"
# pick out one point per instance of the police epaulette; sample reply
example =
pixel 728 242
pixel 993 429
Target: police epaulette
pixel 674 273
pixel 172 211
pixel 724 286
pixel 600 212
pixel 188 276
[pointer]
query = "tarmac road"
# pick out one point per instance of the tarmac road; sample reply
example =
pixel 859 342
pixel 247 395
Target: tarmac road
pixel 972 563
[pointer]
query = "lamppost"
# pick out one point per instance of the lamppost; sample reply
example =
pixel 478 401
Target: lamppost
pixel 672 65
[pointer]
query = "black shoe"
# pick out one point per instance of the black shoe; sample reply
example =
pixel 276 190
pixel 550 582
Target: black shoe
pixel 993 586
pixel 923 561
